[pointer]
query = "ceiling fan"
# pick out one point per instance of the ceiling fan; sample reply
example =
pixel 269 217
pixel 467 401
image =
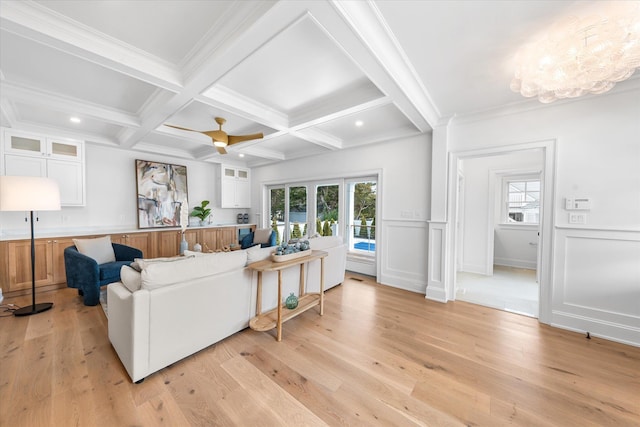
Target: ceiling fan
pixel 220 138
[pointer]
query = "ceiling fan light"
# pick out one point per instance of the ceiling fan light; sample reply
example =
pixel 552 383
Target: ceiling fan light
pixel 219 143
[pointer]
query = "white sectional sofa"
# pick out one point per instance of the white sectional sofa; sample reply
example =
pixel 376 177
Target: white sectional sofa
pixel 175 307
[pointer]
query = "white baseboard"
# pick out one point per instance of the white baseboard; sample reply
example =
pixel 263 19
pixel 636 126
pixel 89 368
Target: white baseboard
pixel 608 330
pixel 517 263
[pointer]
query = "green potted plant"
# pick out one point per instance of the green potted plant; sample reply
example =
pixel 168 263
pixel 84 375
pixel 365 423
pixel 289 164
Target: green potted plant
pixel 201 212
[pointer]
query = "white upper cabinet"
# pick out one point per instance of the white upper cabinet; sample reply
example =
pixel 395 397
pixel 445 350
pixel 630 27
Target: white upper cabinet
pixel 28 154
pixel 235 188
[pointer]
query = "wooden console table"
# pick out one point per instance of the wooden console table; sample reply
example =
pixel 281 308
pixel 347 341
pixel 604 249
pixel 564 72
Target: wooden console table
pixel 274 318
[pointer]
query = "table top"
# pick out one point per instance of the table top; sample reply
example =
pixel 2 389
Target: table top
pixel 270 265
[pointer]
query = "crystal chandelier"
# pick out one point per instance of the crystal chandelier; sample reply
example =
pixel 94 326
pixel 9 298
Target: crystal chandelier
pixel 581 55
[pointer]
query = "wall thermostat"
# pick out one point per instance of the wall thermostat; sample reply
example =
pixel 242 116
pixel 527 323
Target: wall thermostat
pixel 577 204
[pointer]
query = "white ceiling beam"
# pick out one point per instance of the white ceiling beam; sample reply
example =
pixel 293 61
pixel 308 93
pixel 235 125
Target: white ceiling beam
pixel 383 59
pixel 36 22
pixel 66 104
pixel 334 115
pixel 234 46
pixel 254 150
pixel 319 138
pixel 229 100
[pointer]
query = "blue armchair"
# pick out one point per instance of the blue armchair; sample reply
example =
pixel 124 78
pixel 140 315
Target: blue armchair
pixel 87 276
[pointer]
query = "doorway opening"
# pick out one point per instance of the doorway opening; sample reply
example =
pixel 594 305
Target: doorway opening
pixel 498 224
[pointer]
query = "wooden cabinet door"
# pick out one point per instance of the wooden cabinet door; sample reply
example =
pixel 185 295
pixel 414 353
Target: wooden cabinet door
pixel 20 264
pixel 139 241
pixel 226 236
pixel 57 252
pixel 209 239
pixel 168 243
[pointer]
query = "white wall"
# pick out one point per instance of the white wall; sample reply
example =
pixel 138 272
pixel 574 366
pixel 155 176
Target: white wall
pixel 515 246
pixel 403 187
pixel 596 266
pixel 482 185
pixel 111 195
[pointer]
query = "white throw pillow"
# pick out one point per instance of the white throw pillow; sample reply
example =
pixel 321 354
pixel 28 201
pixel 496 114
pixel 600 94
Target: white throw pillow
pixel 130 278
pixel 261 235
pixel 99 249
pixel 256 253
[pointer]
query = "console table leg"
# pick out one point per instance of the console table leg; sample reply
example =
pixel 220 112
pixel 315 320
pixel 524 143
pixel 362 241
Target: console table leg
pixel 321 286
pixel 259 297
pixel 279 322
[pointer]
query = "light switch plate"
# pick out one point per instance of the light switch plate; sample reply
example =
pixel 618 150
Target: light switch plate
pixel 577 218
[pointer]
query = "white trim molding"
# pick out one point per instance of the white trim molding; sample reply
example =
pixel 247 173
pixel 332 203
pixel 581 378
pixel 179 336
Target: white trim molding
pixel 597 283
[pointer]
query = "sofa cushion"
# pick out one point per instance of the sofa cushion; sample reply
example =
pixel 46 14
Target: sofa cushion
pixel 110 271
pixel 159 274
pixel 140 263
pixel 325 242
pixel 99 249
pixel 257 253
pixel 130 278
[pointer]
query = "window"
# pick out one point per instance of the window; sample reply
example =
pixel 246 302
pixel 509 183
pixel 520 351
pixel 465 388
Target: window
pixel 276 212
pixel 297 212
pixel 327 209
pixel 362 216
pixel 522 201
pixel 333 207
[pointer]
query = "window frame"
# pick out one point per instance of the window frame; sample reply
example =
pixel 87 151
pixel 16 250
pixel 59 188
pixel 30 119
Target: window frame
pixel 505 220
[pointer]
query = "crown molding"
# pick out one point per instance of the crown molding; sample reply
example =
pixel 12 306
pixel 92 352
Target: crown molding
pixel 8 112
pixel 532 104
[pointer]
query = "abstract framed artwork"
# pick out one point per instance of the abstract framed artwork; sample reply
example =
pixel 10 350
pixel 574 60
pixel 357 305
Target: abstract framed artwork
pixel 162 187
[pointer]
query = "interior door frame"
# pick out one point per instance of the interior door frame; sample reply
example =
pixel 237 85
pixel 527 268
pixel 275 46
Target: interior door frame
pixel 545 246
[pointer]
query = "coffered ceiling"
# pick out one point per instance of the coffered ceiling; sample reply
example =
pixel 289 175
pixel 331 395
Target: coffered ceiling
pixel 301 72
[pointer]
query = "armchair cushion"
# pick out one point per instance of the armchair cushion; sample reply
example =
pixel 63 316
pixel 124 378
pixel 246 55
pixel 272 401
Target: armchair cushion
pixel 99 249
pixel 110 271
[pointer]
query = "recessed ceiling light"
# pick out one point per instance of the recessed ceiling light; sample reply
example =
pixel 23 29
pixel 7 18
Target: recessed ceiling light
pixel 359 123
pixel 75 119
pixel 241 155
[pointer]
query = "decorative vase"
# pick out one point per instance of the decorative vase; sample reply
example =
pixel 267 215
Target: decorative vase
pixel 197 247
pixel 291 302
pixel 184 245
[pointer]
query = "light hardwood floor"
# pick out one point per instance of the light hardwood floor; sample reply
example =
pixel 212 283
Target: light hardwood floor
pixel 379 356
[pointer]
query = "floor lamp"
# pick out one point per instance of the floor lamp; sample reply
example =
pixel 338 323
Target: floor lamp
pixel 29 193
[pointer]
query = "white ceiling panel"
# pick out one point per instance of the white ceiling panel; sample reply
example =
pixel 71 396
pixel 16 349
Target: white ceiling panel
pixel 298 65
pixel 166 29
pixel 61 120
pixel 377 124
pixel 32 64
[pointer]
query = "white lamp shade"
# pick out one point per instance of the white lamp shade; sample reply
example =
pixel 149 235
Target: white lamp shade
pixel 29 193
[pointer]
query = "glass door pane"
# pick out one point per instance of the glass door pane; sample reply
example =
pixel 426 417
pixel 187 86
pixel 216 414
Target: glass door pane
pixel 276 212
pixel 362 216
pixel 327 210
pixel 297 212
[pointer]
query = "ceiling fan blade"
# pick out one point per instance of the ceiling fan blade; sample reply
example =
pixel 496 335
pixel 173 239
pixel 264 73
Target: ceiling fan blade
pixel 221 150
pixel 178 127
pixel 234 139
